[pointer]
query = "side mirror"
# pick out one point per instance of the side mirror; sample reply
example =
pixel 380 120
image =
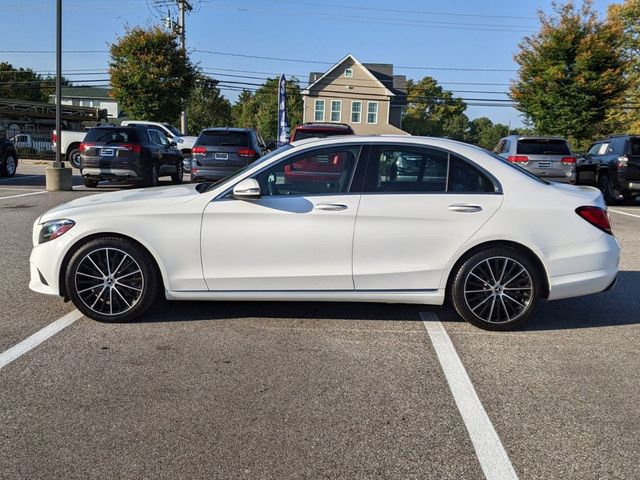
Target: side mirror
pixel 247 189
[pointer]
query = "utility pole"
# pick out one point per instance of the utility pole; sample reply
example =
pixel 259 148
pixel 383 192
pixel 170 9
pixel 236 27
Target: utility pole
pixel 183 7
pixel 58 177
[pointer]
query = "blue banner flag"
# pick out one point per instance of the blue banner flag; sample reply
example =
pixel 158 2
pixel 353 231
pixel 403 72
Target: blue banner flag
pixel 283 122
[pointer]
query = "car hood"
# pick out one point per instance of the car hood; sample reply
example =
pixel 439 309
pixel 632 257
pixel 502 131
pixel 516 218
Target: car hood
pixel 124 200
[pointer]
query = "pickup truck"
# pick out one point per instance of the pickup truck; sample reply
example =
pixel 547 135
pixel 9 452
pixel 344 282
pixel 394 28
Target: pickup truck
pixel 70 145
pixel 8 159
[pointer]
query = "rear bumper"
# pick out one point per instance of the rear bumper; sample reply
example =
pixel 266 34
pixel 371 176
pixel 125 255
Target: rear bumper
pixel 582 269
pixel 109 172
pixel 212 173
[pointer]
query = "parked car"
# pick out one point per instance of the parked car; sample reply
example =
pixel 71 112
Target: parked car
pixel 138 154
pixel 69 145
pixel 489 236
pixel 184 142
pixel 220 152
pixel 8 159
pixel 320 130
pixel 547 157
pixel 613 164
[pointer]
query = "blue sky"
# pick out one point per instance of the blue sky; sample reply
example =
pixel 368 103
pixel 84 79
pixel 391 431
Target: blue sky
pixel 420 38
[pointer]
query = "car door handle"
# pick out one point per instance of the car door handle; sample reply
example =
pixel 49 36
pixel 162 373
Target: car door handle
pixel 465 208
pixel 331 207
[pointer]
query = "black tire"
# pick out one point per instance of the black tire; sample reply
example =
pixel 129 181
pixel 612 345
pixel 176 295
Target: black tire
pixel 151 175
pixel 486 304
pixel 8 165
pixel 178 175
pixel 605 186
pixel 73 157
pixel 112 298
pixel 629 198
pixel 89 182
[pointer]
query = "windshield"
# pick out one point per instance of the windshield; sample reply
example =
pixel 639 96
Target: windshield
pixel 517 167
pixel 205 187
pixel 173 130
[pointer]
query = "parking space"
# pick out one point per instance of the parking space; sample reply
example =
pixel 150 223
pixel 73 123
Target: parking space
pixel 310 390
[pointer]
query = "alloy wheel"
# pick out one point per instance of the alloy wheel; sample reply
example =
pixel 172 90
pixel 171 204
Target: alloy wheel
pixel 109 281
pixel 11 166
pixel 498 290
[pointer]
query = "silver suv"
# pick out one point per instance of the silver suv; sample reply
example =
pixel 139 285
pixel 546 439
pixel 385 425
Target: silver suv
pixel 547 157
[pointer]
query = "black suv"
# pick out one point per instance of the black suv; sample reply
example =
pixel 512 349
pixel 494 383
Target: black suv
pixel 139 154
pixel 219 152
pixel 8 159
pixel 613 165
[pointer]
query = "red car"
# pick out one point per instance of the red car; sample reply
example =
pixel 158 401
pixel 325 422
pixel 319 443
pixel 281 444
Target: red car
pixel 320 130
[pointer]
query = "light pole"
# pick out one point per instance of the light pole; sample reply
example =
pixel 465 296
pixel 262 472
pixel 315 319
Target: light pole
pixel 57 176
pixel 183 6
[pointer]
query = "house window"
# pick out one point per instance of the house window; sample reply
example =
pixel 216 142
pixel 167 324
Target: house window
pixel 348 73
pixel 336 109
pixel 356 111
pixel 319 111
pixel 372 112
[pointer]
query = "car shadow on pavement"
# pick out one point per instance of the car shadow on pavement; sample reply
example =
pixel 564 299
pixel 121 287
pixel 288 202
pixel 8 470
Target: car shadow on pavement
pixel 619 306
pixel 178 311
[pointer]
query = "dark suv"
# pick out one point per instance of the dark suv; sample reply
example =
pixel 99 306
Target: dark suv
pixel 320 130
pixel 8 159
pixel 137 154
pixel 219 152
pixel 613 165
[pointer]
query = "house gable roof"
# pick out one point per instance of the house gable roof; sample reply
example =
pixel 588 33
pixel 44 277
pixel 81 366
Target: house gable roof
pixel 96 93
pixel 355 61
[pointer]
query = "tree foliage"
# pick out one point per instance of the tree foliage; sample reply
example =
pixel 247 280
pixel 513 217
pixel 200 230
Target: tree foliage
pixel 570 72
pixel 25 84
pixel 150 74
pixel 206 106
pixel 486 134
pixel 259 110
pixel 623 19
pixel 433 111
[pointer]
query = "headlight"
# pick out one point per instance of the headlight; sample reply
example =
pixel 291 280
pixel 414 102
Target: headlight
pixel 53 229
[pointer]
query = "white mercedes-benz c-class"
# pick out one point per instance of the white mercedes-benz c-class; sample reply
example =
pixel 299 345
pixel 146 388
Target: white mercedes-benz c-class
pixel 355 218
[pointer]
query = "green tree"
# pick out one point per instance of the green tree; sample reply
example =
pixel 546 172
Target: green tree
pixel 259 110
pixel 433 111
pixel 570 72
pixel 207 107
pixel 486 134
pixel 623 18
pixel 25 84
pixel 150 74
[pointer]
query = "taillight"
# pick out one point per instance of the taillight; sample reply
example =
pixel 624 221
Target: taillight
pixel 199 150
pixel 134 147
pixel 54 137
pixel 85 146
pixel 568 161
pixel 518 158
pixel 246 152
pixel 596 216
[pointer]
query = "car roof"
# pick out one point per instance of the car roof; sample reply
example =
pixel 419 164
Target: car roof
pixel 444 143
pixel 228 129
pixel 535 137
pixel 323 126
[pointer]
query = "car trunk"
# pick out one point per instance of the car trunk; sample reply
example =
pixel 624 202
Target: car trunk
pixel 224 149
pixel 545 156
pixel 110 148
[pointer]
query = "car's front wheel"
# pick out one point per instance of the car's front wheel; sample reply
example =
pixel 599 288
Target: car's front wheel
pixel 8 165
pixel 496 289
pixel 112 280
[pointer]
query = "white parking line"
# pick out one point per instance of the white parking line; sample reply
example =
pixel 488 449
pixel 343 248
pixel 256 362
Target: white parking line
pixel 23 195
pixel 19 178
pixel 493 458
pixel 37 338
pixel 624 213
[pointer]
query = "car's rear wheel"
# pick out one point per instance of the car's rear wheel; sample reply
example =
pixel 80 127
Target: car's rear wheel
pixel 151 175
pixel 8 165
pixel 112 280
pixel 177 176
pixel 496 289
pixel 74 157
pixel 89 182
pixel 629 198
pixel 605 186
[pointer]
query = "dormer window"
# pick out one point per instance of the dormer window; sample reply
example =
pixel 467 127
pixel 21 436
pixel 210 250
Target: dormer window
pixel 348 73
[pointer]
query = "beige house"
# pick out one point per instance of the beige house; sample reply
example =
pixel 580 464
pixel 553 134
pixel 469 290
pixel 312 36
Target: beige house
pixel 366 96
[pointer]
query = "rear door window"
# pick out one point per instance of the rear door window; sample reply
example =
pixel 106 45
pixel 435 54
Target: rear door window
pixel 634 147
pixel 111 135
pixel 539 146
pixel 224 139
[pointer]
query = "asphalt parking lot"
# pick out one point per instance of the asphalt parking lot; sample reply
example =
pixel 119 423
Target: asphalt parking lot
pixel 310 390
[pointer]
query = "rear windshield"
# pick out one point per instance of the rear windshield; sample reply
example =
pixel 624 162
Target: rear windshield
pixel 540 146
pixel 224 139
pixel 302 134
pixel 112 135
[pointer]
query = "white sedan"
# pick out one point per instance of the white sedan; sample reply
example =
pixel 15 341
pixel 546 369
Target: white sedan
pixel 367 219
